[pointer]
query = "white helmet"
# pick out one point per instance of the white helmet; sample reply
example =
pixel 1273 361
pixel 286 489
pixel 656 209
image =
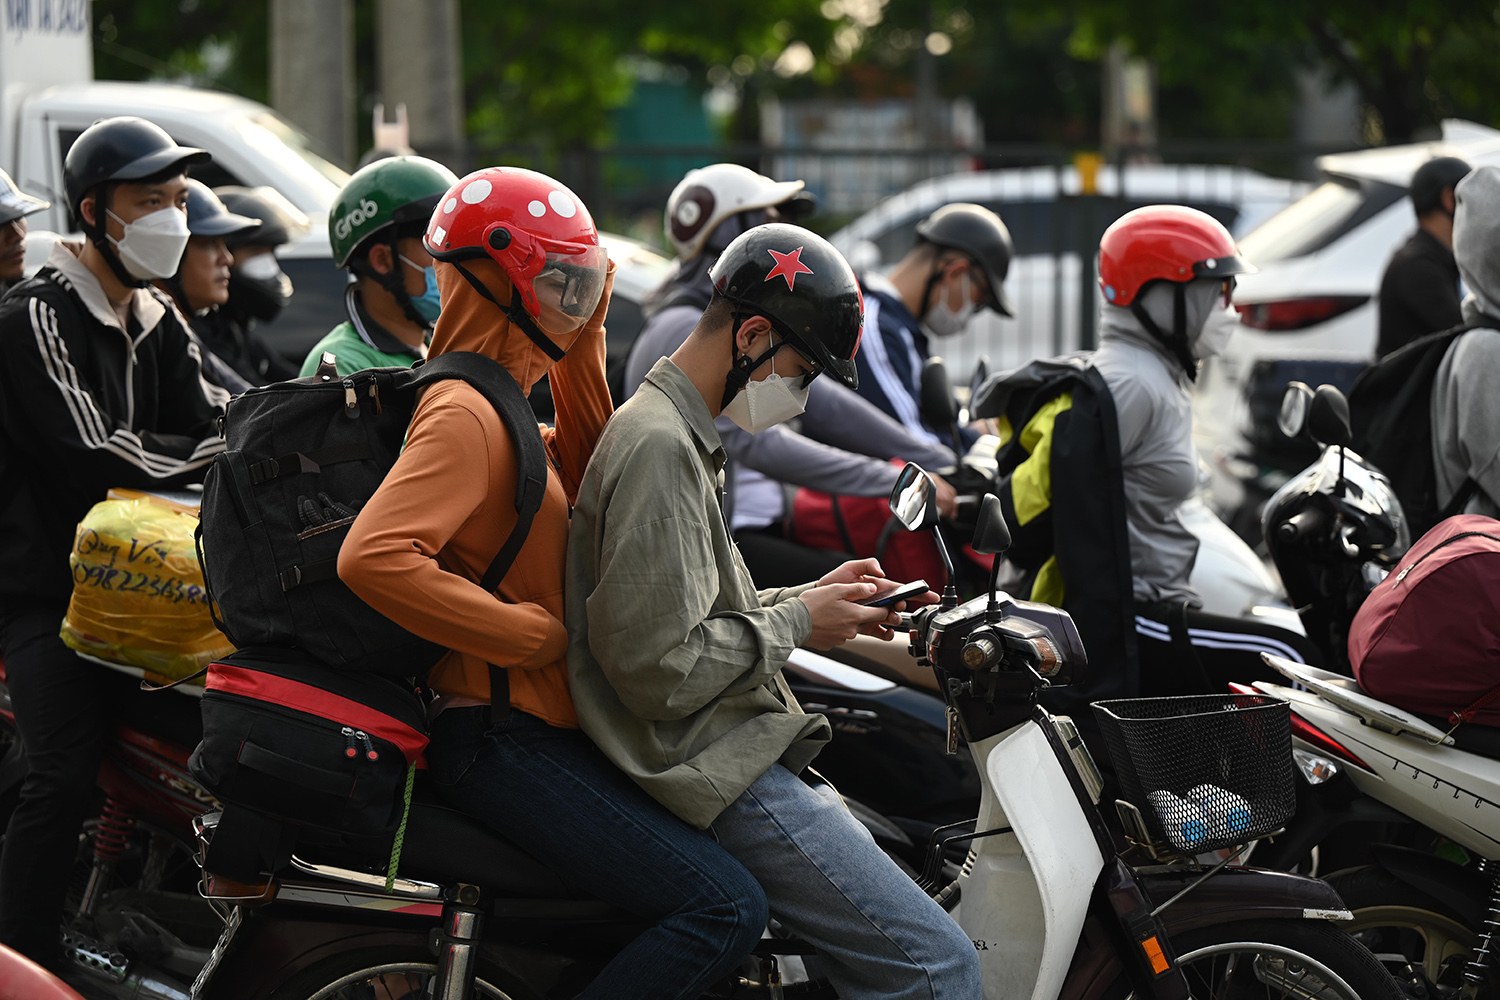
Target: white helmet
pixel 709 195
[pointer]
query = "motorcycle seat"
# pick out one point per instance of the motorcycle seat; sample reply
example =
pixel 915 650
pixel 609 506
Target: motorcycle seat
pixel 446 846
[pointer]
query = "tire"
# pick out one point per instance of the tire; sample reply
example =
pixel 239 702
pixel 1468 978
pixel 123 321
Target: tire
pixel 1404 926
pixel 383 972
pixel 1265 959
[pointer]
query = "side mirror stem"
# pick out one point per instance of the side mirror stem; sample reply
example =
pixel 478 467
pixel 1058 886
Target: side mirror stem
pixel 950 591
pixel 992 606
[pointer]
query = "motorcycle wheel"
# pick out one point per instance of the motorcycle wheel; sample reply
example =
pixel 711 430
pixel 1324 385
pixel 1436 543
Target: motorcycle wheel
pixel 1264 959
pixel 387 973
pixel 1407 928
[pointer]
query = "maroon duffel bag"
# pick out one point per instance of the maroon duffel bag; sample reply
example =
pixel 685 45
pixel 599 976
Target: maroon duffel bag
pixel 1427 639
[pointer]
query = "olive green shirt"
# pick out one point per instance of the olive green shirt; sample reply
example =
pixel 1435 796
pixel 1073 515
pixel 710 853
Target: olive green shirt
pixel 674 659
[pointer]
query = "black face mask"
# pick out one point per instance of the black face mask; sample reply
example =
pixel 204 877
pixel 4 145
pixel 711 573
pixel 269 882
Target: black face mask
pixel 261 299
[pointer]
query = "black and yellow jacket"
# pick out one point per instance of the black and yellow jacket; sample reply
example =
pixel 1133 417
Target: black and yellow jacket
pixel 1062 489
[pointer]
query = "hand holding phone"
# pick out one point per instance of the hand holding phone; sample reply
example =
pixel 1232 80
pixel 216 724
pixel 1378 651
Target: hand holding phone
pixel 907 590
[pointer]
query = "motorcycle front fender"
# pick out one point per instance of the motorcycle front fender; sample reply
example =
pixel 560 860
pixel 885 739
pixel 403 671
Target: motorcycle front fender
pixel 1236 894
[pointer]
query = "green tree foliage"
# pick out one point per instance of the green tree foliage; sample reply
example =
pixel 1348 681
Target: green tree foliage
pixel 1414 62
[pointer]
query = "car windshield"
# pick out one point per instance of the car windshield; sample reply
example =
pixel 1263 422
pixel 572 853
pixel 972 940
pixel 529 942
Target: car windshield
pixel 1308 224
pixel 310 182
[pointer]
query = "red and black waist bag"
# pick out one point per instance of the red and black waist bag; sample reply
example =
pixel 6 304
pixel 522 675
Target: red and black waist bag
pixel 1427 639
pixel 294 740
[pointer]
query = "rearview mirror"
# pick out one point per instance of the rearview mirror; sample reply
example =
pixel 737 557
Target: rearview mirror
pixel 991 533
pixel 914 498
pixel 1292 420
pixel 939 405
pixel 1328 417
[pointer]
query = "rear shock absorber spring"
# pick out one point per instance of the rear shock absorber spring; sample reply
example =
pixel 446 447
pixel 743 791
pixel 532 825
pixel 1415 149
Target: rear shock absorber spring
pixel 1489 937
pixel 112 836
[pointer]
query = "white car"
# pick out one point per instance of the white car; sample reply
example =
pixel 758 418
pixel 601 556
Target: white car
pixel 1311 313
pixel 1045 217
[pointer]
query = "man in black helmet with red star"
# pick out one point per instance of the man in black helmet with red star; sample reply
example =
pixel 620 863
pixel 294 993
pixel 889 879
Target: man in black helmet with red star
pixel 675 659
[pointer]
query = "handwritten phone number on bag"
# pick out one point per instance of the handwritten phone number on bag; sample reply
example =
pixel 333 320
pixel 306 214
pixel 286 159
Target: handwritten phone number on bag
pixel 168 588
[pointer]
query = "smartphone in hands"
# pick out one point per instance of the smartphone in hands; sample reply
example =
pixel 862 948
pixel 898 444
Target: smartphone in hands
pixel 907 590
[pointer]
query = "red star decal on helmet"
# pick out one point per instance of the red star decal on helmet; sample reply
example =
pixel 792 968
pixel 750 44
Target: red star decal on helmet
pixel 788 266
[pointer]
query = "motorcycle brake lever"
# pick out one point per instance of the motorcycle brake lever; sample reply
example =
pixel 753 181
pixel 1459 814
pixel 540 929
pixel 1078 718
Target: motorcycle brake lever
pixel 1345 541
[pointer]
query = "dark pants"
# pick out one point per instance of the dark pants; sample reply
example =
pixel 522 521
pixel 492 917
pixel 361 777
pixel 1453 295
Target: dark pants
pixel 65 709
pixel 775 562
pixel 1185 651
pixel 555 795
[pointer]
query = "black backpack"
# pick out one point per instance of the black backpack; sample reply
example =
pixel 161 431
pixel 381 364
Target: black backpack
pixel 302 458
pixel 1390 411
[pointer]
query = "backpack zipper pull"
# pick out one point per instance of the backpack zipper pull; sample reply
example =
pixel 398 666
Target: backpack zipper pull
pixel 349 748
pixel 370 750
pixel 351 400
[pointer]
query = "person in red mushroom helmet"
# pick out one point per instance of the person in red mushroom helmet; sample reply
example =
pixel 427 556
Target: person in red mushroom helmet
pixel 1109 545
pixel 522 278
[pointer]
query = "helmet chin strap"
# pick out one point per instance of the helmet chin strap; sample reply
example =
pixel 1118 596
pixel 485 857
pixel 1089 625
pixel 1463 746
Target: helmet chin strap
pixel 394 281
pixel 1177 342
pixel 740 371
pixel 99 236
pixel 517 314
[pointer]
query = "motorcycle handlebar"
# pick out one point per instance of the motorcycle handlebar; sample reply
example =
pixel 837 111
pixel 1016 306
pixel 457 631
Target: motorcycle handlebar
pixel 1300 525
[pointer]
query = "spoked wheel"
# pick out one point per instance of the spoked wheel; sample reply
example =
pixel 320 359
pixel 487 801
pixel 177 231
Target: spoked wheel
pixel 383 974
pixel 154 874
pixel 1281 960
pixel 1406 929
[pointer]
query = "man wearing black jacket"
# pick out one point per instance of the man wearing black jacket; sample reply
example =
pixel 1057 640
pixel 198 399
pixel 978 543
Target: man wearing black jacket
pixel 101 387
pixel 1419 292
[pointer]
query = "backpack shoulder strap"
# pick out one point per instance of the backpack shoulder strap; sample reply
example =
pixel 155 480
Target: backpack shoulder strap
pixel 490 379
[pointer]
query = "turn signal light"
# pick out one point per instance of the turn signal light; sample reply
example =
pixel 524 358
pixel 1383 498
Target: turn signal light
pixel 1297 314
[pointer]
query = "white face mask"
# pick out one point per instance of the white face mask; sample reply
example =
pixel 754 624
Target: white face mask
pixel 767 403
pixel 151 246
pixel 261 267
pixel 944 321
pixel 1217 330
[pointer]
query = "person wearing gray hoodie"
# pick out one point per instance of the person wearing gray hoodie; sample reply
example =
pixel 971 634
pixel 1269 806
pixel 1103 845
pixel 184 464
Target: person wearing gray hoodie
pixel 1465 405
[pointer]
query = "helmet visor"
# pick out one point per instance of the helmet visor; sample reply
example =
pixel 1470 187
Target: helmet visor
pixel 569 287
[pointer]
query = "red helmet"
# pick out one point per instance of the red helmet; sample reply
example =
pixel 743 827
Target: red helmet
pixel 538 231
pixel 1164 243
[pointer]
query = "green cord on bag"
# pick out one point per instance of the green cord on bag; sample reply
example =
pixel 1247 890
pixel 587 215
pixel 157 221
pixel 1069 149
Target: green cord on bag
pixel 390 871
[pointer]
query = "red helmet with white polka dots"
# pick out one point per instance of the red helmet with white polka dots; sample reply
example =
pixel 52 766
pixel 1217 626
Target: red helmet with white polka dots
pixel 537 230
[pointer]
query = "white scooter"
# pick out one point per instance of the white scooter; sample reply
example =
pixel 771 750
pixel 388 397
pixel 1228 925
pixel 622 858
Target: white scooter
pixel 1055 909
pixel 1435 922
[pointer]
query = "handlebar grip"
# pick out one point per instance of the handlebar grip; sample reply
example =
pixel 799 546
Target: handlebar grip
pixel 1299 525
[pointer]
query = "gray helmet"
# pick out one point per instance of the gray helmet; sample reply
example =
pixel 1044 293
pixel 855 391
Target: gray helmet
pixel 207 216
pixel 978 234
pixel 15 203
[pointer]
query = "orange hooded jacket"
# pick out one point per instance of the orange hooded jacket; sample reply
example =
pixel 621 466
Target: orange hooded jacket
pixel 418 548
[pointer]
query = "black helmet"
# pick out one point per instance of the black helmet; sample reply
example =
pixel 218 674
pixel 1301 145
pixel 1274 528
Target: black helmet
pixel 207 215
pixel 1432 179
pixel 121 149
pixel 978 234
pixel 280 221
pixel 798 281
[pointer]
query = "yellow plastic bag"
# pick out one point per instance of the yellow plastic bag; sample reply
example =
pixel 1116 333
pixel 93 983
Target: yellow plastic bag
pixel 138 594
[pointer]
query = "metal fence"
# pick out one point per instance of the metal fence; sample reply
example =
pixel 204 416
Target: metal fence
pixel 870 201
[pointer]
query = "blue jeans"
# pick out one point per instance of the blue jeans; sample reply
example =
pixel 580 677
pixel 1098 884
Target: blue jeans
pixel 554 794
pixel 877 934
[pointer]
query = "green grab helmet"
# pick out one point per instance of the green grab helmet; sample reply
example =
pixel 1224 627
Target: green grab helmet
pixel 385 193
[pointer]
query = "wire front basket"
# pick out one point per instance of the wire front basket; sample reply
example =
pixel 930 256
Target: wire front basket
pixel 1205 771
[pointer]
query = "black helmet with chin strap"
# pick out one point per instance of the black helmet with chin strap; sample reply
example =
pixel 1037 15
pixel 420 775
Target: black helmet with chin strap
pixel 119 151
pixel 978 234
pixel 798 281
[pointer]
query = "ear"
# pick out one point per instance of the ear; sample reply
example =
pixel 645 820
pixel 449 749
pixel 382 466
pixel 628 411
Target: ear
pixel 380 258
pixel 87 209
pixel 1449 200
pixel 754 332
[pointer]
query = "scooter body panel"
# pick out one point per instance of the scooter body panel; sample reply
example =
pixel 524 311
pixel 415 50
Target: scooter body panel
pixel 1026 894
pixel 1449 790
